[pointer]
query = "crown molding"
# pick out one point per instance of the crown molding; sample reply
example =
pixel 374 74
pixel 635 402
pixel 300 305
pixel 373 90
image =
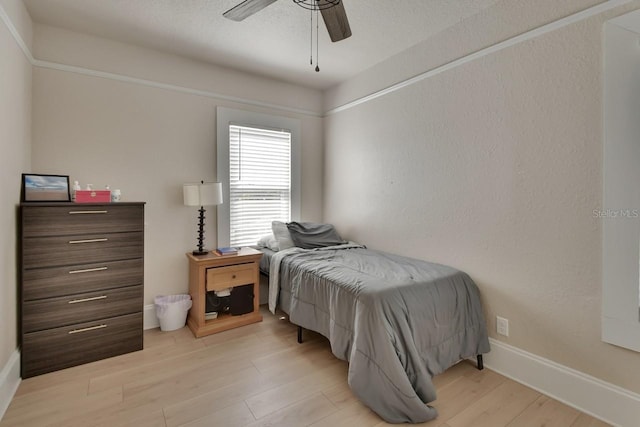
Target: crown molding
pixel 531 34
pixel 167 86
pixel 4 17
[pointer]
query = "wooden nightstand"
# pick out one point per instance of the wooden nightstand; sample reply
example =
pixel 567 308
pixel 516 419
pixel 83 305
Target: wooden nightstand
pixel 212 272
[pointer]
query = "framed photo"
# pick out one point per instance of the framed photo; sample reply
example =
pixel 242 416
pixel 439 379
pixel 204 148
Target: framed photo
pixel 45 188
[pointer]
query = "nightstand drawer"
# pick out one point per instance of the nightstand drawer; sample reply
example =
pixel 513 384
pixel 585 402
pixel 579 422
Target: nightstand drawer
pixel 59 348
pixel 80 219
pixel 55 312
pixel 79 249
pixel 74 279
pixel 226 277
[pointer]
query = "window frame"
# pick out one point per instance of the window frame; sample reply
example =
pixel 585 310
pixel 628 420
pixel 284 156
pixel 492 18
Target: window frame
pixel 228 116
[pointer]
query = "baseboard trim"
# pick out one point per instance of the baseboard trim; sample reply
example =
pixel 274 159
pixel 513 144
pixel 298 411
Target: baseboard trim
pixel 150 320
pixel 605 401
pixel 9 381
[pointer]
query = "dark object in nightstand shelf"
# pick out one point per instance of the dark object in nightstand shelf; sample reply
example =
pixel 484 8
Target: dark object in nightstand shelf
pixel 216 303
pixel 241 300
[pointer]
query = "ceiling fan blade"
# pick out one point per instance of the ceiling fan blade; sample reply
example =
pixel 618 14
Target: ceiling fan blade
pixel 335 18
pixel 245 9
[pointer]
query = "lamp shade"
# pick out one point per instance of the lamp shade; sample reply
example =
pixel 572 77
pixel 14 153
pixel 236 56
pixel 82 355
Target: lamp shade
pixel 204 194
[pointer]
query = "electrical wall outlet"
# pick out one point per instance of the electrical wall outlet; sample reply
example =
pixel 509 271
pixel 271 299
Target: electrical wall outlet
pixel 502 326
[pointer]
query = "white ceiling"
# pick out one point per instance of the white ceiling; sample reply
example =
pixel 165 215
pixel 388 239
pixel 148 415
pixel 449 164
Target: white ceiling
pixel 274 42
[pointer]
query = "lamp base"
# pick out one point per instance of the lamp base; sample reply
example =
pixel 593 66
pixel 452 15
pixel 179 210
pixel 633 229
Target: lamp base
pixel 201 250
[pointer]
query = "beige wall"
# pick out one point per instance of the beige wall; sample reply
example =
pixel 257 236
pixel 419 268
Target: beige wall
pixel 148 141
pixel 15 151
pixel 494 167
pixel 95 53
pixel 507 18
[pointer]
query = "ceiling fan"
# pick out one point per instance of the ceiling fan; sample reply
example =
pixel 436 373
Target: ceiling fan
pixel 333 14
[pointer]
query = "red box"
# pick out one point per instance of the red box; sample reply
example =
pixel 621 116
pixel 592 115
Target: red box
pixel 93 196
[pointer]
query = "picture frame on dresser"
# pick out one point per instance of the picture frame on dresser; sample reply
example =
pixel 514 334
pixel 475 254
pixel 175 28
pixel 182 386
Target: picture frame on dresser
pixel 45 188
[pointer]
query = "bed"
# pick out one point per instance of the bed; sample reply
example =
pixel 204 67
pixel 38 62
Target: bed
pixel 397 321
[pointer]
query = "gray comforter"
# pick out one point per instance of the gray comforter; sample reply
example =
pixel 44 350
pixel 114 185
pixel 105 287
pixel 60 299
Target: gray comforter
pixel 397 321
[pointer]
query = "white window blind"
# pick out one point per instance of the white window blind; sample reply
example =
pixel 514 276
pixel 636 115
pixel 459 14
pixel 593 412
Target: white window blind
pixel 259 181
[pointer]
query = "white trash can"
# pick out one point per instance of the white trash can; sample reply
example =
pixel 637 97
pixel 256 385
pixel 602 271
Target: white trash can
pixel 171 311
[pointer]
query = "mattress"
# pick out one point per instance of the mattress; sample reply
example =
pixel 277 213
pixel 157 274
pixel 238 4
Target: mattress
pixel 397 321
pixel 265 261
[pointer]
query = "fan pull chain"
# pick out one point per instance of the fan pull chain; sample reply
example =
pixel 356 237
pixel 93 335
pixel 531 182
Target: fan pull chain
pixel 317 50
pixel 311 41
pixel 311 38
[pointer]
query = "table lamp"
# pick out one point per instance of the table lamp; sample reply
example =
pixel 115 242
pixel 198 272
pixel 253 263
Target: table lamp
pixel 203 194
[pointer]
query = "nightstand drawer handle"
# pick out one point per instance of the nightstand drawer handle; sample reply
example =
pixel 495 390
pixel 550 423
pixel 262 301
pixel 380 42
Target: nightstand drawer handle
pixel 87 212
pixel 233 277
pixel 76 301
pixel 88 270
pixel 90 328
pixel 73 242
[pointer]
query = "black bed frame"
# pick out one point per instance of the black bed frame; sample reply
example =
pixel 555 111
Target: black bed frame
pixel 480 363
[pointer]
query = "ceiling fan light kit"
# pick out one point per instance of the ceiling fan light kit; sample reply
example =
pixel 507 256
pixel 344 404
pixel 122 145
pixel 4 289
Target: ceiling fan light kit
pixel 333 14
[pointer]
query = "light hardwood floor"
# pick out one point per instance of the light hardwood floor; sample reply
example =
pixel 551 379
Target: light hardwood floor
pixel 257 375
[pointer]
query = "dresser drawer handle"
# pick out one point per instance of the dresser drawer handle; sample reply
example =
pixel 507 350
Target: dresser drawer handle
pixel 76 301
pixel 73 242
pixel 90 328
pixel 88 270
pixel 87 212
pixel 233 277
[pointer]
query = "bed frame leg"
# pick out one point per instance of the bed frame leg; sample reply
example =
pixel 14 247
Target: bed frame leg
pixel 299 334
pixel 480 362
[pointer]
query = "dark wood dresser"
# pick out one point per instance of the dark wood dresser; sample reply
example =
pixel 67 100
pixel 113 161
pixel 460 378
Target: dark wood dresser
pixel 82 283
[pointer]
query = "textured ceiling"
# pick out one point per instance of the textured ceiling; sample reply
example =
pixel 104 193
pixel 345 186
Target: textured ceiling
pixel 274 42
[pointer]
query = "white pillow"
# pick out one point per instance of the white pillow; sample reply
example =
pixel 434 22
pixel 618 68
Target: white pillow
pixel 281 233
pixel 264 241
pixel 270 242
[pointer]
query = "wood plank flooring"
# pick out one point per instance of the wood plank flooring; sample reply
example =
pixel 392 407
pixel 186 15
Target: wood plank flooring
pixel 258 375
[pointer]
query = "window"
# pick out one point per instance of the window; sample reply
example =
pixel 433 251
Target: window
pixel 258 165
pixel 259 182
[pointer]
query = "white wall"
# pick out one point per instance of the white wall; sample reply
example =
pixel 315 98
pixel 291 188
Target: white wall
pixel 148 141
pixel 15 158
pixel 15 152
pixel 494 167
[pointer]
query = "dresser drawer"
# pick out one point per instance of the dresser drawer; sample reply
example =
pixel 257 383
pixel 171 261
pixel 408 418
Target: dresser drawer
pixel 75 219
pixel 79 249
pixel 55 312
pixel 226 277
pixel 74 279
pixel 59 348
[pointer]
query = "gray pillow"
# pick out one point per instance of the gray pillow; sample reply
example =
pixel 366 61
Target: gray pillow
pixel 309 235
